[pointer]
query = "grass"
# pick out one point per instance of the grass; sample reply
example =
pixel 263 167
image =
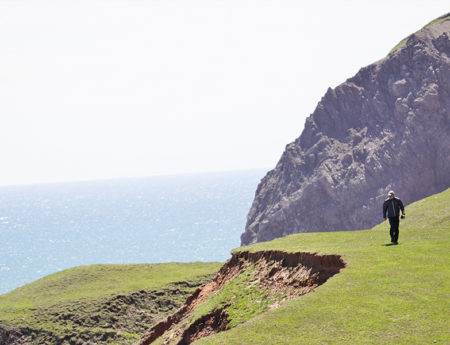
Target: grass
pixel 433 22
pixel 438 20
pixel 100 303
pixel 98 280
pixel 386 294
pixel 244 300
pixel 241 300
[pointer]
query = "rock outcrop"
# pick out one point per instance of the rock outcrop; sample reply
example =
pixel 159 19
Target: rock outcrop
pixel 388 127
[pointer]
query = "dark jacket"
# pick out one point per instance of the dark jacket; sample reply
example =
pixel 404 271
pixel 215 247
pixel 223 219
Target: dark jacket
pixel 393 207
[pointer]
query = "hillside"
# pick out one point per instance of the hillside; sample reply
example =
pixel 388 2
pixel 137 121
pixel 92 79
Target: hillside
pixel 100 304
pixel 349 287
pixel 388 127
pixel 386 294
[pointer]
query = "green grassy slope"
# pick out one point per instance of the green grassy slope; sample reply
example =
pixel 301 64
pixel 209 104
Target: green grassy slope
pixel 101 303
pixel 386 294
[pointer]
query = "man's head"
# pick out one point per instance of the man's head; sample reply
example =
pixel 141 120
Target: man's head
pixel 391 194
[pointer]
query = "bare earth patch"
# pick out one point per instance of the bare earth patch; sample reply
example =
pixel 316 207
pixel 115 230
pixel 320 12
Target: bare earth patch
pixel 279 274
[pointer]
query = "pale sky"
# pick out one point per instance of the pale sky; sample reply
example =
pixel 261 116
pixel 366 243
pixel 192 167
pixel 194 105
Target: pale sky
pixel 107 89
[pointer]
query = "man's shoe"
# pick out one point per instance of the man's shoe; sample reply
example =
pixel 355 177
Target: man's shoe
pixel 395 242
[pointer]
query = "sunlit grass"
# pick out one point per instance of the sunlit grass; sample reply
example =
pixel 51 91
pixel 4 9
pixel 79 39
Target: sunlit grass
pixel 386 294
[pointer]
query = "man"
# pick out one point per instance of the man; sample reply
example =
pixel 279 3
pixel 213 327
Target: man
pixel 392 206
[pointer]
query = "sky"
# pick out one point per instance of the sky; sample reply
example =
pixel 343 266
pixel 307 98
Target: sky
pixel 94 89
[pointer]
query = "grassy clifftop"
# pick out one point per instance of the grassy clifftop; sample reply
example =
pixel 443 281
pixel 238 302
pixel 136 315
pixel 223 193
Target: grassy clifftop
pixel 98 304
pixel 387 294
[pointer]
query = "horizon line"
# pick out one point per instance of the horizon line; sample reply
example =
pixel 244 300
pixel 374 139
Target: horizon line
pixel 190 173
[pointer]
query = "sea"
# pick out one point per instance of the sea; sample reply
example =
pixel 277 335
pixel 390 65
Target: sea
pixel 47 228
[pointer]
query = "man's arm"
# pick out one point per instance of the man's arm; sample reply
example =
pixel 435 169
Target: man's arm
pixel 401 207
pixel 385 206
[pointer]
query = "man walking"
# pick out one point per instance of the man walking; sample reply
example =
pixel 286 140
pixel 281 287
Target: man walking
pixel 392 206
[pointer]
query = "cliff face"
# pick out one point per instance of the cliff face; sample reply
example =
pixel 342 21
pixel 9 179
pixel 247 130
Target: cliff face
pixel 388 127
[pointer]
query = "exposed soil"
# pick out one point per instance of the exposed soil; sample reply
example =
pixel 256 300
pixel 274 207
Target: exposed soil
pixel 288 274
pixel 12 336
pixel 213 322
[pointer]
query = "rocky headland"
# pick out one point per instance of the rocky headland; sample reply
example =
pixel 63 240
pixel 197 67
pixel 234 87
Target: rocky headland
pixel 388 127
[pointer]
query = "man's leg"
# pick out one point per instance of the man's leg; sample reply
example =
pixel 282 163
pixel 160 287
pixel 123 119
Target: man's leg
pixel 394 226
pixel 391 231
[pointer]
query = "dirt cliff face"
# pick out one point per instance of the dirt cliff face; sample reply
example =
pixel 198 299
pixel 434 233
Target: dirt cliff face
pixel 277 273
pixel 386 128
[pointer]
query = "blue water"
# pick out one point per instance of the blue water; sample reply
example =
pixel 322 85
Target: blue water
pixel 50 227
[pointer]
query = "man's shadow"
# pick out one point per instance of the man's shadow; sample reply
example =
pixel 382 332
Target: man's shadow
pixel 391 244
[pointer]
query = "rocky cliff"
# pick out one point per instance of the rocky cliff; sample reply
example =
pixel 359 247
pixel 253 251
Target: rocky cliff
pixel 388 127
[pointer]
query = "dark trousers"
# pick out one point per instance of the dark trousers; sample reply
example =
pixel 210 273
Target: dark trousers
pixel 394 222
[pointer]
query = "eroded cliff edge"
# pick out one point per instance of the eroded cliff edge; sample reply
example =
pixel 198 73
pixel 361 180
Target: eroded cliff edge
pixel 264 279
pixel 388 127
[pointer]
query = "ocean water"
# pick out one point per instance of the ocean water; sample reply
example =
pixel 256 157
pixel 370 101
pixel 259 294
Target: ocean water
pixel 50 227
